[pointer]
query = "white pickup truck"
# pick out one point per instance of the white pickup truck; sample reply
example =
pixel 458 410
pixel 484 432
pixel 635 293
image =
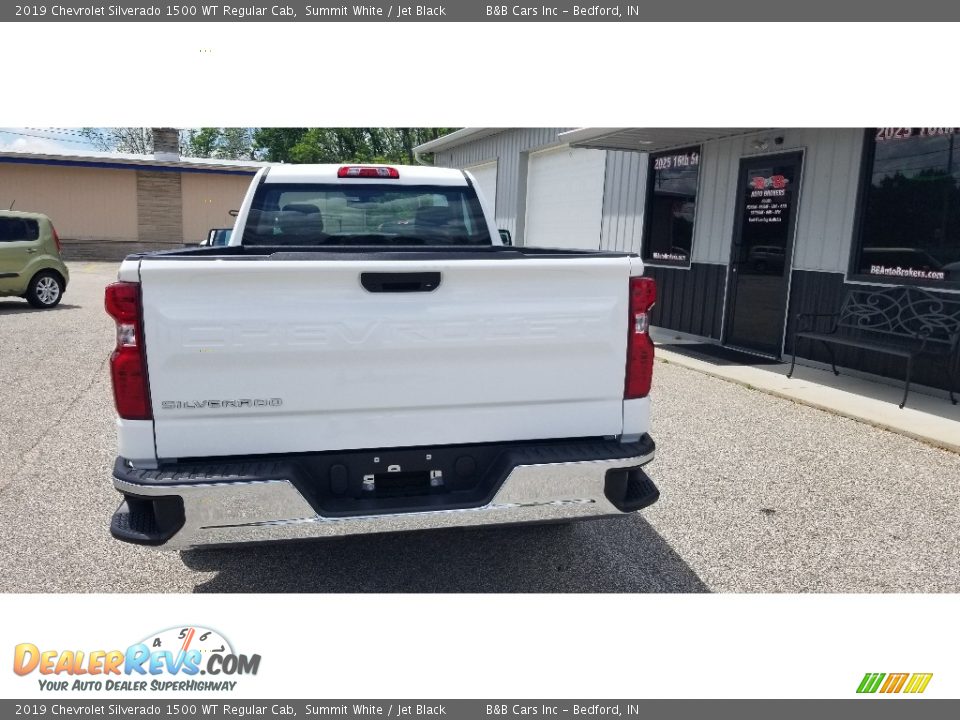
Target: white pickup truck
pixel 366 356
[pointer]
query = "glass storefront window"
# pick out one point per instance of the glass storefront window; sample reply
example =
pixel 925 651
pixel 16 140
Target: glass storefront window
pixel 910 217
pixel 671 206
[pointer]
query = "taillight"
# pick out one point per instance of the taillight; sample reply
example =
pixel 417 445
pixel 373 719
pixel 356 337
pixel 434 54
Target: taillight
pixel 56 239
pixel 128 365
pixel 643 295
pixel 358 171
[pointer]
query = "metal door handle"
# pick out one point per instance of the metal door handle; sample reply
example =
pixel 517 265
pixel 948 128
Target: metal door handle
pixel 31 250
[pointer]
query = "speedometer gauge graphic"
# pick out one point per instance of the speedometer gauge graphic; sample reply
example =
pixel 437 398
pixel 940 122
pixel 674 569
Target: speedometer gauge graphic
pixel 183 639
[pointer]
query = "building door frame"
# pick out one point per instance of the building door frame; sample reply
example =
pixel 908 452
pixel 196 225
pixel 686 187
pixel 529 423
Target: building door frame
pixel 730 290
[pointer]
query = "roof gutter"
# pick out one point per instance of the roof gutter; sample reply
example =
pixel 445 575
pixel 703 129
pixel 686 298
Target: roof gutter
pixel 648 139
pixel 132 161
pixel 585 135
pixel 454 139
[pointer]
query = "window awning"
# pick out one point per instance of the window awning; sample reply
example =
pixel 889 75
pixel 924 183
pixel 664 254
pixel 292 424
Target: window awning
pixel 646 139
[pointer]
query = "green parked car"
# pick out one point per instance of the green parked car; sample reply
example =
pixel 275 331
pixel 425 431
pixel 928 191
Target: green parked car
pixel 30 264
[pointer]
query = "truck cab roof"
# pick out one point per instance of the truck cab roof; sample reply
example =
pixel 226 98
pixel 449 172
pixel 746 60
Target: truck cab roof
pixel 328 173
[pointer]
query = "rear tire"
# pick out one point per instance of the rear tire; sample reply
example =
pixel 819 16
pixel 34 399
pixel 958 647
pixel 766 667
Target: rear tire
pixel 45 290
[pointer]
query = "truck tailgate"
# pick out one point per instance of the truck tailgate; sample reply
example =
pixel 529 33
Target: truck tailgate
pixel 256 356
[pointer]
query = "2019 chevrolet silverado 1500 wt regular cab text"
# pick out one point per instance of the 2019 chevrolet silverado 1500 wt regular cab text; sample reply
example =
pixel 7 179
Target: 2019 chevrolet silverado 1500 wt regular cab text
pixel 366 356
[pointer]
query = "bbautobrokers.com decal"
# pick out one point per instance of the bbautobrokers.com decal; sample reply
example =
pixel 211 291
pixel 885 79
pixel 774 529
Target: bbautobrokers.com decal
pixel 180 659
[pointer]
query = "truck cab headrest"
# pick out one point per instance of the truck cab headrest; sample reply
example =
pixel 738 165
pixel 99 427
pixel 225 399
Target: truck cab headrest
pixel 305 208
pixel 299 224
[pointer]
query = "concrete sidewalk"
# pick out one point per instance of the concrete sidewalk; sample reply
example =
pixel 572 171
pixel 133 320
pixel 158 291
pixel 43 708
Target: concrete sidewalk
pixel 927 418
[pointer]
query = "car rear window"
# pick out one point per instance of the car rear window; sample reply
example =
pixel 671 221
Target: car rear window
pixel 14 229
pixel 365 214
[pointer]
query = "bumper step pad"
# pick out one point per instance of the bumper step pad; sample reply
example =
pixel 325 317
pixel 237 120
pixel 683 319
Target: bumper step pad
pixel 630 489
pixel 148 521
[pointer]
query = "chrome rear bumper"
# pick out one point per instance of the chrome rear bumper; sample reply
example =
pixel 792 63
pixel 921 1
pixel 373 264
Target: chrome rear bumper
pixel 218 513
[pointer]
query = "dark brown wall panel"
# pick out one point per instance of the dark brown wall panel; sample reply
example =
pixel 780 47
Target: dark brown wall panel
pixel 689 300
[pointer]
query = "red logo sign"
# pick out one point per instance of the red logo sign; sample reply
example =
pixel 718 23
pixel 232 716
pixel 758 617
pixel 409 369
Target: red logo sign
pixel 777 182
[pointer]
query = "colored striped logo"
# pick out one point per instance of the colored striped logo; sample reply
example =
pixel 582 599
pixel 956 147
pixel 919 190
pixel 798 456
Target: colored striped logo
pixel 894 683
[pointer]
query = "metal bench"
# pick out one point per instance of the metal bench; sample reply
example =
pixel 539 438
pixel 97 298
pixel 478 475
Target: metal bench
pixel 900 321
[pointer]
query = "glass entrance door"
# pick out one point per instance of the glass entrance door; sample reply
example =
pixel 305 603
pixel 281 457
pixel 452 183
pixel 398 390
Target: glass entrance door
pixel 767 197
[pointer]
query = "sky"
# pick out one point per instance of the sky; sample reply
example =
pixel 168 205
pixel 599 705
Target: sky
pixel 44 140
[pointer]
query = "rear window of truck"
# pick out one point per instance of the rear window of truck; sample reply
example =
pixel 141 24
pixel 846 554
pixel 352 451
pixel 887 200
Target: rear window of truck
pixel 365 214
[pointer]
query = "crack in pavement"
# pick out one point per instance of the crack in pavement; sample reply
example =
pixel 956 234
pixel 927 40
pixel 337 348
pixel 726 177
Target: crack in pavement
pixel 45 433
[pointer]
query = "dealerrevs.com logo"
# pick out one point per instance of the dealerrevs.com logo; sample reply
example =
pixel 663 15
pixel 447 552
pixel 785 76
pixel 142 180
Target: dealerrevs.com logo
pixel 176 659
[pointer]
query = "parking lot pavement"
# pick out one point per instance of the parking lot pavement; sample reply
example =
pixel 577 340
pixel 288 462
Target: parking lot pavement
pixel 758 495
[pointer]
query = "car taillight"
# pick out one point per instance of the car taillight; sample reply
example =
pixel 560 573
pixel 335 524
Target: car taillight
pixel 358 171
pixel 128 364
pixel 56 239
pixel 643 295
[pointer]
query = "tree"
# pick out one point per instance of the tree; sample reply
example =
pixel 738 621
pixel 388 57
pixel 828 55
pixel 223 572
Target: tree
pixel 289 145
pixel 202 142
pixel 411 137
pixel 222 143
pixel 236 144
pixel 332 145
pixel 121 139
pixel 276 144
